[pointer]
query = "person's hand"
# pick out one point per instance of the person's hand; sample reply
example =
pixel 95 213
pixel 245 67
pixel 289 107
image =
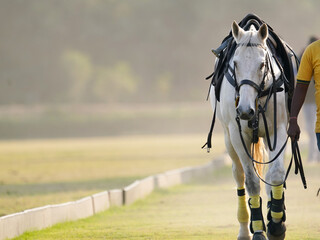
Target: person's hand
pixel 294 129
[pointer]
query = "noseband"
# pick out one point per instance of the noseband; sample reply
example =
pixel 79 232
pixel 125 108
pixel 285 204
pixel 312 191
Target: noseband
pixel 262 92
pixel 254 123
pixel 271 91
pixel 258 88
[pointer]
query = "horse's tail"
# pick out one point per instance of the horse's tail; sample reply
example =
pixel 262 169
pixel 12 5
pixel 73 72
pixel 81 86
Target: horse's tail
pixel 259 155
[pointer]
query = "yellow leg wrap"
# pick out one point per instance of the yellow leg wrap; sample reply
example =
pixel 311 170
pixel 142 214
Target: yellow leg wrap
pixel 277 193
pixel 257 225
pixel 243 215
pixel 255 201
pixel 276 215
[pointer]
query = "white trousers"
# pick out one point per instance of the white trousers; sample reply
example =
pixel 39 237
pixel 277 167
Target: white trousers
pixel 309 110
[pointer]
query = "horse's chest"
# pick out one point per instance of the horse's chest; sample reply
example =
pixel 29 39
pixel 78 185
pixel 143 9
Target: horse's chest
pixel 261 129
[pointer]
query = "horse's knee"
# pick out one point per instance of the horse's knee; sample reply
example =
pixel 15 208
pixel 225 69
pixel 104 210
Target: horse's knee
pixel 276 173
pixel 238 174
pixel 252 183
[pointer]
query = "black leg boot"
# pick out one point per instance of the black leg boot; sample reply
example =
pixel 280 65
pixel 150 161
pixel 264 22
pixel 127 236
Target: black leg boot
pixel 276 231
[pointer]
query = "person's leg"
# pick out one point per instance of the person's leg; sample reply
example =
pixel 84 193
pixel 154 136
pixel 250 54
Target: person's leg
pixel 309 110
pixel 318 140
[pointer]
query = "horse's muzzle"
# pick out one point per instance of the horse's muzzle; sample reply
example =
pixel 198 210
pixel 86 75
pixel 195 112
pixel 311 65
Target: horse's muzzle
pixel 245 113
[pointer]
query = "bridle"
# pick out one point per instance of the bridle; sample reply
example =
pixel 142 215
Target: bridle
pixel 254 123
pixel 261 109
pixel 258 88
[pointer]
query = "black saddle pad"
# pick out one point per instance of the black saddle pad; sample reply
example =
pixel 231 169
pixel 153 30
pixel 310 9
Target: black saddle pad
pixel 280 51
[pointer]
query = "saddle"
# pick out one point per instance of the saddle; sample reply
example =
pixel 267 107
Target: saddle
pixel 282 52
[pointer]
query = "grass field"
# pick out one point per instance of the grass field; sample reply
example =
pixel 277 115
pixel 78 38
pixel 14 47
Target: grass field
pixel 203 210
pixel 39 172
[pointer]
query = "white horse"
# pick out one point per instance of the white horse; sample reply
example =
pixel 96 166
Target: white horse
pixel 253 70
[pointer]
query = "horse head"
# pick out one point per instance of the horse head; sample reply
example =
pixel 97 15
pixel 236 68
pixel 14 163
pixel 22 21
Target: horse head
pixel 250 66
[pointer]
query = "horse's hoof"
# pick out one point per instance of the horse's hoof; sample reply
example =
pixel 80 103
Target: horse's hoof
pixel 244 238
pixel 276 231
pixel 259 236
pixel 280 237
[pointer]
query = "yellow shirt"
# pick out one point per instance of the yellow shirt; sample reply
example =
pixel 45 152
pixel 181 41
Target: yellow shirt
pixel 310 66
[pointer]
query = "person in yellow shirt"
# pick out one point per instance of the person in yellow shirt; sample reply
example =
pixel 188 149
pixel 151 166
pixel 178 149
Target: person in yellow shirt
pixel 309 67
pixel 309 110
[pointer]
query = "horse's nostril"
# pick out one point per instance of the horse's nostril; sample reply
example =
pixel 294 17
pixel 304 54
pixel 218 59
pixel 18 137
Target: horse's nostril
pixel 245 114
pixel 251 112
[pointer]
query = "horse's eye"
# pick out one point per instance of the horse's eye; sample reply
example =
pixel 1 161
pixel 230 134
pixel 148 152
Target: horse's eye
pixel 262 65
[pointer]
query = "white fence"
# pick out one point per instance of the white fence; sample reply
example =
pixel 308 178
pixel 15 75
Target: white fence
pixel 38 218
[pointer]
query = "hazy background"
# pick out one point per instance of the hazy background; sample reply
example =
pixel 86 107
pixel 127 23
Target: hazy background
pixel 95 94
pixel 76 68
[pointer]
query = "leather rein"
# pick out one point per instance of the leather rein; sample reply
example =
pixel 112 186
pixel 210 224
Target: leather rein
pixel 254 123
pixel 272 90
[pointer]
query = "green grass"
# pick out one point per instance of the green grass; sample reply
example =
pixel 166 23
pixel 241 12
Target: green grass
pixel 39 172
pixel 203 210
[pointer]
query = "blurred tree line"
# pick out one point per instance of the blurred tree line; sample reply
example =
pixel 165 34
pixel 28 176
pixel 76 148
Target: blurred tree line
pixel 108 51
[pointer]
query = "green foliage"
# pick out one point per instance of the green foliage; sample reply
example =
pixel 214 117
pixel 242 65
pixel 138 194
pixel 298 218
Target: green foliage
pixel 79 70
pixel 145 39
pixel 115 83
pixel 106 84
pixel 164 84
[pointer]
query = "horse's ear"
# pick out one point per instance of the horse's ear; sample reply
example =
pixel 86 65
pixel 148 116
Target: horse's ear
pixel 237 31
pixel 263 32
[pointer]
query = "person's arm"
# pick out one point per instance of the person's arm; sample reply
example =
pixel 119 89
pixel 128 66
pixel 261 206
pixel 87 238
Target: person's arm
pixel 299 96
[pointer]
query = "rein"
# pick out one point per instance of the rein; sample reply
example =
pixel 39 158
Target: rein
pixel 272 90
pixel 261 110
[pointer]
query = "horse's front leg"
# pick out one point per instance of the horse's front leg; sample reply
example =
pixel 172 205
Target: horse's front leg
pixel 252 183
pixel 238 174
pixel 257 225
pixel 275 176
